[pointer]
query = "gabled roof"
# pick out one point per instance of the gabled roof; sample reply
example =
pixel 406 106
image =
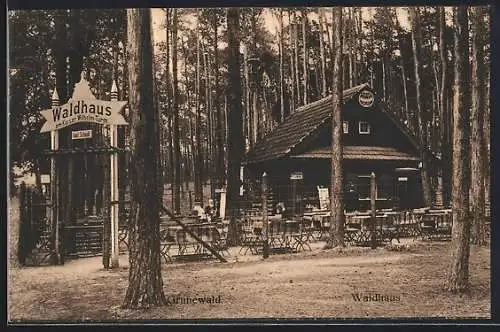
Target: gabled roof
pixel 297 127
pixel 359 153
pixel 404 129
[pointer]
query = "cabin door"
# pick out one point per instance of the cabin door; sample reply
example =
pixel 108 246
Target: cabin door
pixel 403 192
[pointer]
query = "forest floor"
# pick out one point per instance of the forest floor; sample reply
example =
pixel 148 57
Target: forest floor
pixel 318 283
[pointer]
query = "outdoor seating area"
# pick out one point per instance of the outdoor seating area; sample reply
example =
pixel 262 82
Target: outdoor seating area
pixel 284 235
pixel 296 234
pixel 178 244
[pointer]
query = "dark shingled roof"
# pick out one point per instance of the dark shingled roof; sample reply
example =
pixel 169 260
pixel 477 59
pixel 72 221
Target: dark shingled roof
pixel 360 153
pixel 298 126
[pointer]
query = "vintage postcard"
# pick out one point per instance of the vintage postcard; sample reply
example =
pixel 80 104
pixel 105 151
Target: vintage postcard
pixel 173 164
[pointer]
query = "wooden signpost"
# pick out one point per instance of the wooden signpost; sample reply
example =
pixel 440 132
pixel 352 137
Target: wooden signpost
pixel 83 107
pixel 295 177
pixel 115 250
pixel 54 187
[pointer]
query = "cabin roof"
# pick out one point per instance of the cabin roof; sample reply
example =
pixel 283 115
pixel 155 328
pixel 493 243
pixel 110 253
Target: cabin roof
pixel 304 122
pixel 359 153
pixel 296 127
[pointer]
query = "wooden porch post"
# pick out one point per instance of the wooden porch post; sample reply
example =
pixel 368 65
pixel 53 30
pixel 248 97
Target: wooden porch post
pixel 264 216
pixel 373 192
pixel 439 191
pixel 115 252
pixel 54 188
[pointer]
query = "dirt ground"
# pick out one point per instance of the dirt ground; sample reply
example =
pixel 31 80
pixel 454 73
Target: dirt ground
pixel 316 284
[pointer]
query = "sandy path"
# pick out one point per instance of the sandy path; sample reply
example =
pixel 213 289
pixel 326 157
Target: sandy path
pixel 310 284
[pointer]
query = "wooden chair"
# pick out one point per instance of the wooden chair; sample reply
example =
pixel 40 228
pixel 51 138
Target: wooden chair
pixel 390 229
pixel 427 227
pixel 166 242
pixel 219 241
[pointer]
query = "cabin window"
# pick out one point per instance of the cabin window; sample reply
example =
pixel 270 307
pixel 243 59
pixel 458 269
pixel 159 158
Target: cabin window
pixel 345 126
pixel 364 127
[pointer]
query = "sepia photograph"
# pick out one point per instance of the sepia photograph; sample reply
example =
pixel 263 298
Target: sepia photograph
pixel 259 164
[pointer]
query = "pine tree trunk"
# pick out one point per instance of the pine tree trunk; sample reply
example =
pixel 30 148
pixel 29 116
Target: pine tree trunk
pixel 248 97
pixel 256 118
pixel 445 114
pixel 436 99
pixel 168 111
pixel 282 97
pixel 422 118
pixel 317 79
pixel 331 55
pixel 191 154
pixel 458 276
pixel 354 47
pixel 360 34
pixel 322 53
pixel 336 187
pixel 256 121
pixel 235 130
pixel 296 58
pixel 384 79
pixel 176 157
pixel 78 49
pixel 188 151
pixel 372 64
pixel 478 159
pixel 405 92
pixel 293 103
pixel 198 166
pixel 487 152
pixel 60 53
pixel 350 37
pixel 208 107
pixel 330 48
pixel 145 287
pixel 305 57
pixel 219 128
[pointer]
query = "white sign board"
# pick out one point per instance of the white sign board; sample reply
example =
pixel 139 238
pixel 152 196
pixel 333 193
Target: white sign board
pixel 81 134
pixel 222 206
pixel 76 111
pixel 324 198
pixel 45 178
pixel 83 107
pixel 402 179
pixel 296 176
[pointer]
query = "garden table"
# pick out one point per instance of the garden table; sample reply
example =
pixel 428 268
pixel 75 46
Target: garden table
pixel 391 226
pixel 436 225
pixel 364 235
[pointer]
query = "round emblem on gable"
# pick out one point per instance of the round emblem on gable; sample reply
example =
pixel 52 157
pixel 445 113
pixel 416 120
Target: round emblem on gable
pixel 366 98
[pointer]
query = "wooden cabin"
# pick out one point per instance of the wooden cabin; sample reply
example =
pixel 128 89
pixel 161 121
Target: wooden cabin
pixel 296 155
